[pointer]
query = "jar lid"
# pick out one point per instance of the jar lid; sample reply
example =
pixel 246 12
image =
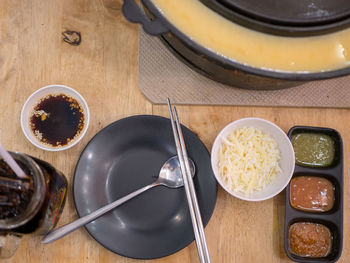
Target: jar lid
pixel 285 17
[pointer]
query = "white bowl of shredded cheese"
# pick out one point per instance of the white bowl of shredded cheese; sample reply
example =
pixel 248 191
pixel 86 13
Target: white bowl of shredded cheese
pixel 252 159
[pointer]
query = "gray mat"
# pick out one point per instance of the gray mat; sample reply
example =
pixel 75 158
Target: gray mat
pixel 162 75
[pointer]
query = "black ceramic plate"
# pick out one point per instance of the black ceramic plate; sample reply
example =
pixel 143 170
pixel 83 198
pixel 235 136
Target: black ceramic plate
pixel 125 156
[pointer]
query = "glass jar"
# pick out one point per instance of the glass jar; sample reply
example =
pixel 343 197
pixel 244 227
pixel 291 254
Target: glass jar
pixel 36 204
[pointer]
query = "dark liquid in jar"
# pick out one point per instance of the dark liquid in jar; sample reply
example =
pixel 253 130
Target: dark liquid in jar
pixel 15 193
pixel 55 196
pixel 57 120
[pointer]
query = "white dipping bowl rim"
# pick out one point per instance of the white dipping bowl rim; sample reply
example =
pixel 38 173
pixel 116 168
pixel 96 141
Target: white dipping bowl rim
pixel 287 161
pixel 34 98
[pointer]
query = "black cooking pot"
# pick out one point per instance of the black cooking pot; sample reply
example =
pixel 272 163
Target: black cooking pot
pixel 227 71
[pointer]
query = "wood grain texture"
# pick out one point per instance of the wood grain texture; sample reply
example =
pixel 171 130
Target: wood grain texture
pixel 104 70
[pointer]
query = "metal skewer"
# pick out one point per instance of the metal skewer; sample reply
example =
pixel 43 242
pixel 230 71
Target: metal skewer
pixel 189 187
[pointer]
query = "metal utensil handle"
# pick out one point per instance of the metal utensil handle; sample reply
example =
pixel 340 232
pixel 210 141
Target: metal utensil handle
pixel 192 189
pixel 68 228
pixel 204 257
pixel 134 14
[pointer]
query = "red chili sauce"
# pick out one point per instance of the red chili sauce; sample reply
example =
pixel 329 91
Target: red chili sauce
pixel 310 193
pixel 310 240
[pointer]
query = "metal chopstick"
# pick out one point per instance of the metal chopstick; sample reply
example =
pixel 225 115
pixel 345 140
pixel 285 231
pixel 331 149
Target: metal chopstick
pixel 189 187
pixel 192 189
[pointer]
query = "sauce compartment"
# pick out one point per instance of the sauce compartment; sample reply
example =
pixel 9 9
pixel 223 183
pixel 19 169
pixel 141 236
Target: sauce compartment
pixel 313 149
pixel 308 239
pixel 333 134
pixel 317 174
pixel 336 242
pixel 333 218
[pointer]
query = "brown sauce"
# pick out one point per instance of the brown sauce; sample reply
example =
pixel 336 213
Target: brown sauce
pixel 57 120
pixel 310 240
pixel 310 193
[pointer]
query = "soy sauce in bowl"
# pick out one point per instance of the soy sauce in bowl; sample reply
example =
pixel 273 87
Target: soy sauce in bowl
pixel 57 120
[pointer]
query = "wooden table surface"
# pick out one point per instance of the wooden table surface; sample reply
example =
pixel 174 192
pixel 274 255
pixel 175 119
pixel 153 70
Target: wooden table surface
pixel 103 68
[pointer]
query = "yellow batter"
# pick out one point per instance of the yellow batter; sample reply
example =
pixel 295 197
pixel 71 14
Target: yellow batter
pixel 298 54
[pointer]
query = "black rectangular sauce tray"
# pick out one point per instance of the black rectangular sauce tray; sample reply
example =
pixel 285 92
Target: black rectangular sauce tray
pixel 332 219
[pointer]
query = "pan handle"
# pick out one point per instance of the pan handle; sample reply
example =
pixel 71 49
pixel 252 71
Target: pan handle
pixel 134 14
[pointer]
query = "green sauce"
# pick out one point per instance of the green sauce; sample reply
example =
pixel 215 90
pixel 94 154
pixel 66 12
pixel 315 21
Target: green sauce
pixel 313 149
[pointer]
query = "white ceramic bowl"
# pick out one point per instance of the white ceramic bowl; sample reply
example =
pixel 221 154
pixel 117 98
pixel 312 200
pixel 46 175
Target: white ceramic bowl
pixel 287 160
pixel 32 102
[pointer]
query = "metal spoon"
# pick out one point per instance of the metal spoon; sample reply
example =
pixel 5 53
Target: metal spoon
pixel 170 176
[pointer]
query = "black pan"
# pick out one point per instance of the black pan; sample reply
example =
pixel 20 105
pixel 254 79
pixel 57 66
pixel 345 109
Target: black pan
pixel 223 69
pixel 285 17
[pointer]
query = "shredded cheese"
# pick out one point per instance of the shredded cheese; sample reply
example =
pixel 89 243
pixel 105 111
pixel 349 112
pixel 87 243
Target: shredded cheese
pixel 248 160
